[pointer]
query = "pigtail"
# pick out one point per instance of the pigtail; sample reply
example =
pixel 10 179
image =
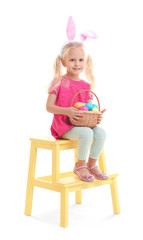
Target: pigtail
pixel 89 72
pixel 57 68
pixel 57 74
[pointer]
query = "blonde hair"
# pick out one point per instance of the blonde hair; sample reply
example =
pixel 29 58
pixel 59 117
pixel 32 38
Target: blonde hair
pixel 57 67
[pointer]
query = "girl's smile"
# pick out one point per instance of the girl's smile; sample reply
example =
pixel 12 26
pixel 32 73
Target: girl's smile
pixel 76 69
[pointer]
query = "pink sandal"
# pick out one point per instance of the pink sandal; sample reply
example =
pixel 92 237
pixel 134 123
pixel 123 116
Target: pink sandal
pixel 99 176
pixel 83 177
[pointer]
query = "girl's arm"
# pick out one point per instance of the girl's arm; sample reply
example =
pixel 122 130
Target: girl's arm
pixel 52 108
pixel 69 111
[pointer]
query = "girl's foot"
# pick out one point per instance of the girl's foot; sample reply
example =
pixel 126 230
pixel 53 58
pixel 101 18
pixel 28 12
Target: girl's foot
pixel 97 173
pixel 83 173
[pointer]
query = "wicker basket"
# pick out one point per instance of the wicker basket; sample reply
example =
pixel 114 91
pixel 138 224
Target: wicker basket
pixel 90 118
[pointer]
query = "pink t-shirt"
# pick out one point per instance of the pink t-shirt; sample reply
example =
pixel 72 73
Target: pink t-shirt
pixel 65 92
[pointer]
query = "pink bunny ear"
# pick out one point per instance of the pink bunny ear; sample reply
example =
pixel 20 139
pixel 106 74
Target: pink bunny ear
pixel 71 29
pixel 89 34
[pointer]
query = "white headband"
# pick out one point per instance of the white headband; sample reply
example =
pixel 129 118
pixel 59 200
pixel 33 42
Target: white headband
pixel 71 32
pixel 68 42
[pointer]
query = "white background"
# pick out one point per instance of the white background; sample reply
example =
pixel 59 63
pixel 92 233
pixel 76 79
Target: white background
pixel 31 35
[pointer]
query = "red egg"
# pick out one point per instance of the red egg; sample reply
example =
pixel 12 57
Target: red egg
pixel 84 108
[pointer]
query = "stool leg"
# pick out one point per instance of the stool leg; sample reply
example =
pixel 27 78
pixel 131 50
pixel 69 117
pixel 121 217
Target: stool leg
pixel 64 208
pixel 115 198
pixel 102 163
pixel 78 197
pixel 78 194
pixel 31 175
pixel 55 164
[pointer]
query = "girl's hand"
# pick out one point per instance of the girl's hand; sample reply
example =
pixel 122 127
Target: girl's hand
pixel 100 117
pixel 74 113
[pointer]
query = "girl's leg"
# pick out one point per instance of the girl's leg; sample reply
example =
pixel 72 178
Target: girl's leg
pixel 99 137
pixel 84 136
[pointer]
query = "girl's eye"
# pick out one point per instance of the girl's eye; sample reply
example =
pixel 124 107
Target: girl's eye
pixel 81 59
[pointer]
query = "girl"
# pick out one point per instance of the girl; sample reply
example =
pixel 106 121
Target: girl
pixel 61 91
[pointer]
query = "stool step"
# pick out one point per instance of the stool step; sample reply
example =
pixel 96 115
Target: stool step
pixel 71 181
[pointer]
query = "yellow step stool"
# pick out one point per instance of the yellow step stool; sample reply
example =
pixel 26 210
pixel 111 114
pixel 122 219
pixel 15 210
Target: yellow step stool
pixel 63 182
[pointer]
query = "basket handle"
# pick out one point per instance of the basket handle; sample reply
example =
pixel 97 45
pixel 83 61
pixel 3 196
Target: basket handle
pixel 86 91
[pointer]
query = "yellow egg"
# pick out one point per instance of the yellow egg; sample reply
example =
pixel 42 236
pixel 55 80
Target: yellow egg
pixel 78 105
pixel 95 109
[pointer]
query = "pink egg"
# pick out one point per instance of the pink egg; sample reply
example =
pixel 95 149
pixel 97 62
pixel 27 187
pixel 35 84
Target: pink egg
pixel 84 108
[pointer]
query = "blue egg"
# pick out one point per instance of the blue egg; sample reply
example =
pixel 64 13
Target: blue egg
pixel 89 105
pixel 94 105
pixel 84 104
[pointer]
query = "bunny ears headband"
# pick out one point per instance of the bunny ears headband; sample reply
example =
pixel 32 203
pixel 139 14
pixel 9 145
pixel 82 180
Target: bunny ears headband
pixel 71 33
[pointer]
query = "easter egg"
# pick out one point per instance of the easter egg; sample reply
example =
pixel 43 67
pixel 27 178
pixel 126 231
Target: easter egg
pixel 89 105
pixel 84 104
pixel 95 109
pixel 94 105
pixel 78 105
pixel 83 108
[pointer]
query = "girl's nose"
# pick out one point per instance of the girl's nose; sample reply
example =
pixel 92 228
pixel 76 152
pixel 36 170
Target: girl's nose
pixel 77 63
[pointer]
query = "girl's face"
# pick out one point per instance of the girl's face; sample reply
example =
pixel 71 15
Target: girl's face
pixel 74 62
